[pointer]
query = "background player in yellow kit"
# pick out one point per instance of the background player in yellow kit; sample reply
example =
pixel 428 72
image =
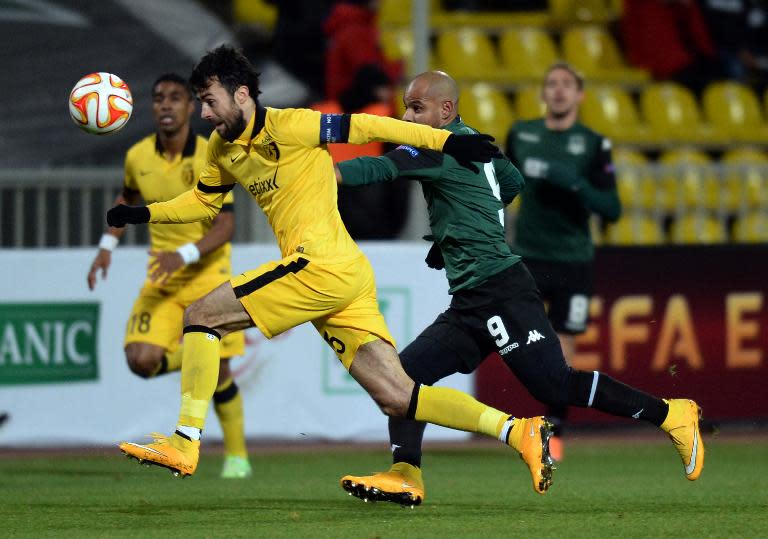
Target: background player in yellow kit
pixel 186 261
pixel 281 158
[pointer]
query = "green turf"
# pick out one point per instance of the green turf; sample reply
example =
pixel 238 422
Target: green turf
pixel 624 490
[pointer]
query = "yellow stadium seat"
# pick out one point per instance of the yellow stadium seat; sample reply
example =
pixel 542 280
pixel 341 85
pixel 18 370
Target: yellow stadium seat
pixel 486 109
pixel 673 115
pixel 565 12
pixel 688 181
pixel 635 181
pixel 609 110
pixel 697 227
pixel 528 103
pixel 526 53
pixel 751 227
pixel 734 108
pixel 398 44
pixel 399 105
pixel 635 228
pixel 745 172
pixel 468 54
pixel 765 103
pixel 255 12
pixel 593 51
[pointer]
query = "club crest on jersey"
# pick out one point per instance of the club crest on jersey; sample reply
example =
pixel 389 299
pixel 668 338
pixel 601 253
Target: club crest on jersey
pixel 188 175
pixel 268 149
pixel 411 150
pixel 576 145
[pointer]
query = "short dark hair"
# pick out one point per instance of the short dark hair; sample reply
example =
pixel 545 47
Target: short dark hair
pixel 229 67
pixel 570 69
pixel 175 78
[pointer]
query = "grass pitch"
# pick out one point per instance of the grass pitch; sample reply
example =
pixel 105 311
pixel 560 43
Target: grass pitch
pixel 627 489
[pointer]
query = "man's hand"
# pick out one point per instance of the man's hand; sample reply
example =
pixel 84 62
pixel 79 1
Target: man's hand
pixel 435 257
pixel 122 215
pixel 101 262
pixel 468 148
pixel 163 265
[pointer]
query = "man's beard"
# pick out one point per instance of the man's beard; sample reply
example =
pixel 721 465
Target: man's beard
pixel 236 128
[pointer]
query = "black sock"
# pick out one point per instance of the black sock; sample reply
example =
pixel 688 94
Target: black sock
pixel 556 415
pixel 406 435
pixel 616 398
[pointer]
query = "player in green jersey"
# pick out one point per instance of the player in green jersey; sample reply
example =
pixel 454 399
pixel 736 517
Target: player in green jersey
pixel 569 176
pixel 496 306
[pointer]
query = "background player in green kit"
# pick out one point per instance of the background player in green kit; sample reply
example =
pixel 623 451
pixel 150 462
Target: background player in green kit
pixel 496 306
pixel 568 176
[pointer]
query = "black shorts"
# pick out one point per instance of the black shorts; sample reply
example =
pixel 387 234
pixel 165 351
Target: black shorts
pixel 567 289
pixel 505 314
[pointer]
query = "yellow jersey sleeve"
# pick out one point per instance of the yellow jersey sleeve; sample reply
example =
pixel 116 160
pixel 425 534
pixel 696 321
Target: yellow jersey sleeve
pixel 365 128
pixel 311 128
pixel 204 201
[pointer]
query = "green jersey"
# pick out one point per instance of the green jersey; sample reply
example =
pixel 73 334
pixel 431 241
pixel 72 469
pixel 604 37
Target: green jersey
pixel 568 175
pixel 466 210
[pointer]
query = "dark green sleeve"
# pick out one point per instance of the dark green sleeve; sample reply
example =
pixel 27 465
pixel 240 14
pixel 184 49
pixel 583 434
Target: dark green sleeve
pixel 366 171
pixel 510 180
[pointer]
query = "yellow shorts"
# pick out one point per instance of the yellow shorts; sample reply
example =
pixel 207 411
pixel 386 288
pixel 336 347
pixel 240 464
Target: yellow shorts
pixel 339 299
pixel 157 316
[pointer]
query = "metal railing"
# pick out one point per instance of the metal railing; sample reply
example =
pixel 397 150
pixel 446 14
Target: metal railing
pixel 65 207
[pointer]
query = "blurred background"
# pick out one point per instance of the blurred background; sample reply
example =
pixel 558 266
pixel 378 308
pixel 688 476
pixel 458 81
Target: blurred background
pixel 680 87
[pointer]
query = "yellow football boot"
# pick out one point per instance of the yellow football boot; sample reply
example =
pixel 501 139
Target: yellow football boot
pixel 533 446
pixel 401 484
pixel 176 453
pixel 682 426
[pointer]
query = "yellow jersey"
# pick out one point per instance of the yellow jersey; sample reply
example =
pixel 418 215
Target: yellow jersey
pixel 156 179
pixel 282 160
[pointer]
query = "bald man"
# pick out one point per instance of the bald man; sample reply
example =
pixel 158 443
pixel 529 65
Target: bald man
pixel 496 306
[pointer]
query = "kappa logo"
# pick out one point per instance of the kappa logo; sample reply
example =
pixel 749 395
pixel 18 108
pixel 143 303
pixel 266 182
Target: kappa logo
pixel 508 348
pixel 534 336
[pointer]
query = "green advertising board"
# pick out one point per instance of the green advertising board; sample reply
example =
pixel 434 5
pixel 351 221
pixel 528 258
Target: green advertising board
pixel 43 343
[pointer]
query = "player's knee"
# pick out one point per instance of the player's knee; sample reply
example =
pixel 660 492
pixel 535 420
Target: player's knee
pixel 142 363
pixel 194 314
pixel 552 386
pixel 392 403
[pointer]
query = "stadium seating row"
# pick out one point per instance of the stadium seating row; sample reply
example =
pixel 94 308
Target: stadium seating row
pixel 668 113
pixel 393 13
pixel 686 179
pixel 638 228
pixel 521 55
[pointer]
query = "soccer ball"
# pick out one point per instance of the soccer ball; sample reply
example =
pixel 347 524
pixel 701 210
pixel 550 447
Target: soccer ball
pixel 100 103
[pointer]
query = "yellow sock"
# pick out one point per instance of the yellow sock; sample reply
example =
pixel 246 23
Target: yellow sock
pixel 457 410
pixel 228 404
pixel 171 362
pixel 173 359
pixel 199 372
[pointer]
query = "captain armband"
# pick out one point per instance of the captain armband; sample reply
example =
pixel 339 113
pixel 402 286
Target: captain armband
pixel 334 128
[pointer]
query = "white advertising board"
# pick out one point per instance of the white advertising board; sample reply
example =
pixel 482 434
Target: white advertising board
pixel 64 380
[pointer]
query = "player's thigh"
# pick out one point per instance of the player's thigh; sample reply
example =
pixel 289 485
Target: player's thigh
pixel 282 294
pixel 359 321
pixel 232 344
pixel 156 318
pixel 444 348
pixel 515 323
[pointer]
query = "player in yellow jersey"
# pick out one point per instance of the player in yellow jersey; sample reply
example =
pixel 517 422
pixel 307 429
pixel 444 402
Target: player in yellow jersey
pixel 186 261
pixel 281 158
